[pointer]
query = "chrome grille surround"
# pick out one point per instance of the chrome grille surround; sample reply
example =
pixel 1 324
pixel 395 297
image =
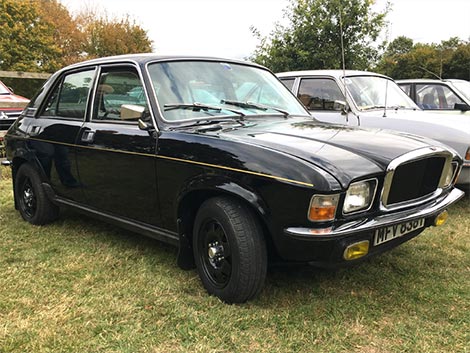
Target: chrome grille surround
pixel 415 156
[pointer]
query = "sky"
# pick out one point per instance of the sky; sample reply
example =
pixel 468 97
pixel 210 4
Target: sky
pixel 222 27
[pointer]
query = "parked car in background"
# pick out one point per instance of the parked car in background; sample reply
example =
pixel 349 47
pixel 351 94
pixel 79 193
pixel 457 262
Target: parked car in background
pixel 11 105
pixel 448 96
pixel 376 101
pixel 220 159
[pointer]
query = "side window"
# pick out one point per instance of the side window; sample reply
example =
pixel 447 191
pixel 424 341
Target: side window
pixel 288 82
pixel 118 87
pixel 319 93
pixel 436 97
pixel 69 98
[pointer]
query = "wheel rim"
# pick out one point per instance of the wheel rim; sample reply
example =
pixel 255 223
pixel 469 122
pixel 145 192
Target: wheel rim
pixel 28 199
pixel 215 253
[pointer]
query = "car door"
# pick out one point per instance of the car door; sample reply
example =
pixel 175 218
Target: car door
pixel 53 132
pixel 116 160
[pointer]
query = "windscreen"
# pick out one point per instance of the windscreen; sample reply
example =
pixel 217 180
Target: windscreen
pixel 201 89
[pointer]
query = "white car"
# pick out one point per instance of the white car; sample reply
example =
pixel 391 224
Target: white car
pixel 443 96
pixel 376 101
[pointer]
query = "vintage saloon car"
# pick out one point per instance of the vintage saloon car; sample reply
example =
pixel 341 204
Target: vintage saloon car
pixel 219 158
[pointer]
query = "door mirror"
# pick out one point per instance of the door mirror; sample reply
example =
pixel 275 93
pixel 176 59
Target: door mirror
pixel 132 112
pixel 341 106
pixel 462 106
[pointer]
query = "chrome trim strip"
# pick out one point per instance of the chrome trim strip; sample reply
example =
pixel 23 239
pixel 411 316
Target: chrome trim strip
pixel 366 225
pixel 415 155
pixel 264 175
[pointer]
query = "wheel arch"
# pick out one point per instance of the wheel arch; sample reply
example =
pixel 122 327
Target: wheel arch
pixel 193 197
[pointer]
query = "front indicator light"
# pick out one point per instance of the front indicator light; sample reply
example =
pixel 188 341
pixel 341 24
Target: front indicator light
pixel 356 250
pixel 441 218
pixel 323 208
pixel 467 154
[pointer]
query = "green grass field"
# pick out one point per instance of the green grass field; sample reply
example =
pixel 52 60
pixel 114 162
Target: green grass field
pixel 80 285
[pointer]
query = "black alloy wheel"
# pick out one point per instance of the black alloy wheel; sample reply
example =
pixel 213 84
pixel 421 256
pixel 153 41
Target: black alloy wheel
pixel 33 203
pixel 229 250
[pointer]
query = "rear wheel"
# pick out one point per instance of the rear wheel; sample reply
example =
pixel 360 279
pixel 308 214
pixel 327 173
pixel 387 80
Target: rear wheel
pixel 33 204
pixel 229 250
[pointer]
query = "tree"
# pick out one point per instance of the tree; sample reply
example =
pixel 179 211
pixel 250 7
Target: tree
pixel 66 34
pixel 312 37
pixel 26 41
pixel 104 36
pixel 402 59
pixel 42 36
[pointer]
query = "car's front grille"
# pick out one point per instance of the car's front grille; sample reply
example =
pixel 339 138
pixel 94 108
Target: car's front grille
pixel 415 177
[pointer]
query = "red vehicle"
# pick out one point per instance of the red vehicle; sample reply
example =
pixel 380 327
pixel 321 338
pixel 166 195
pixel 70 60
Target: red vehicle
pixel 11 105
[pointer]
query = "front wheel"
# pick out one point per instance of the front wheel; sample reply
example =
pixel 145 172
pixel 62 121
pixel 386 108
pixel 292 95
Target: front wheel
pixel 229 250
pixel 33 204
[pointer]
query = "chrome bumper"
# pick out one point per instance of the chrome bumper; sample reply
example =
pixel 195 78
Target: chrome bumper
pixel 365 225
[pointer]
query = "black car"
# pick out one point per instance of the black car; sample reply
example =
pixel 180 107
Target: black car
pixel 218 158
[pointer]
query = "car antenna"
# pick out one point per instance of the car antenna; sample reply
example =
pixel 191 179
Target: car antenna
pixel 385 102
pixel 343 62
pixel 430 72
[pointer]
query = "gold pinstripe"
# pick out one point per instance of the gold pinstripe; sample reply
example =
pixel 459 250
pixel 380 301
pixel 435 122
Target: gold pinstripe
pixel 179 160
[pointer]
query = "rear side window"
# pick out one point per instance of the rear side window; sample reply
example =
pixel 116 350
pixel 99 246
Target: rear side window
pixel 319 93
pixel 69 98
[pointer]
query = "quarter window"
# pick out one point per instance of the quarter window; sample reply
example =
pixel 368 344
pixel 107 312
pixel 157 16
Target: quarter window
pixel 288 82
pixel 69 98
pixel 319 93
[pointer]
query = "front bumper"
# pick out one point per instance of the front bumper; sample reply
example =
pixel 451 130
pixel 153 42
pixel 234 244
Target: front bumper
pixel 327 249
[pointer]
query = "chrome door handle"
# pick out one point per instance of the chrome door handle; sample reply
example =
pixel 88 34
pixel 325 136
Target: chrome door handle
pixel 88 136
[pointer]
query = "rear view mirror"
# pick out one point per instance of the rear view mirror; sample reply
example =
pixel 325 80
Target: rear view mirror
pixel 462 106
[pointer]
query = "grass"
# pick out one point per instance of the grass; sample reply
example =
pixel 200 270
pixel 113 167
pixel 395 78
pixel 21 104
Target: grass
pixel 79 285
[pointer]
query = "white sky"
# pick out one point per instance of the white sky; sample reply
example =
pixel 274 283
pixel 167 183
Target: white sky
pixel 222 27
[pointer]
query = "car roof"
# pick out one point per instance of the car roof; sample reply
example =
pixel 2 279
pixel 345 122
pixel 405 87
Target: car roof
pixel 144 58
pixel 334 73
pixel 428 80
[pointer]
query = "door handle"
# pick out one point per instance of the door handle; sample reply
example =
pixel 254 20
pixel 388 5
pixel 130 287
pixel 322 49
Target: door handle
pixel 35 130
pixel 88 136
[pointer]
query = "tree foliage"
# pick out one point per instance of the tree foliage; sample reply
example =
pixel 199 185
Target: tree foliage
pixel 404 59
pixel 311 39
pixel 26 40
pixel 42 36
pixel 104 36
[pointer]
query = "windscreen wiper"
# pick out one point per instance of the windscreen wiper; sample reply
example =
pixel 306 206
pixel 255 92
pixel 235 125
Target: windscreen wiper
pixel 252 105
pixel 196 107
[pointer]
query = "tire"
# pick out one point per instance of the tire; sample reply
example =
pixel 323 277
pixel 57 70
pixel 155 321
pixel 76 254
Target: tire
pixel 229 250
pixel 33 203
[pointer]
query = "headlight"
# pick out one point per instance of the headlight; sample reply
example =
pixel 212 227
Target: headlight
pixel 359 196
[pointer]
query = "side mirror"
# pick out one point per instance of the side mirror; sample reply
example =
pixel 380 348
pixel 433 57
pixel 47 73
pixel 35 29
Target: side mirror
pixel 462 106
pixel 341 106
pixel 132 112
